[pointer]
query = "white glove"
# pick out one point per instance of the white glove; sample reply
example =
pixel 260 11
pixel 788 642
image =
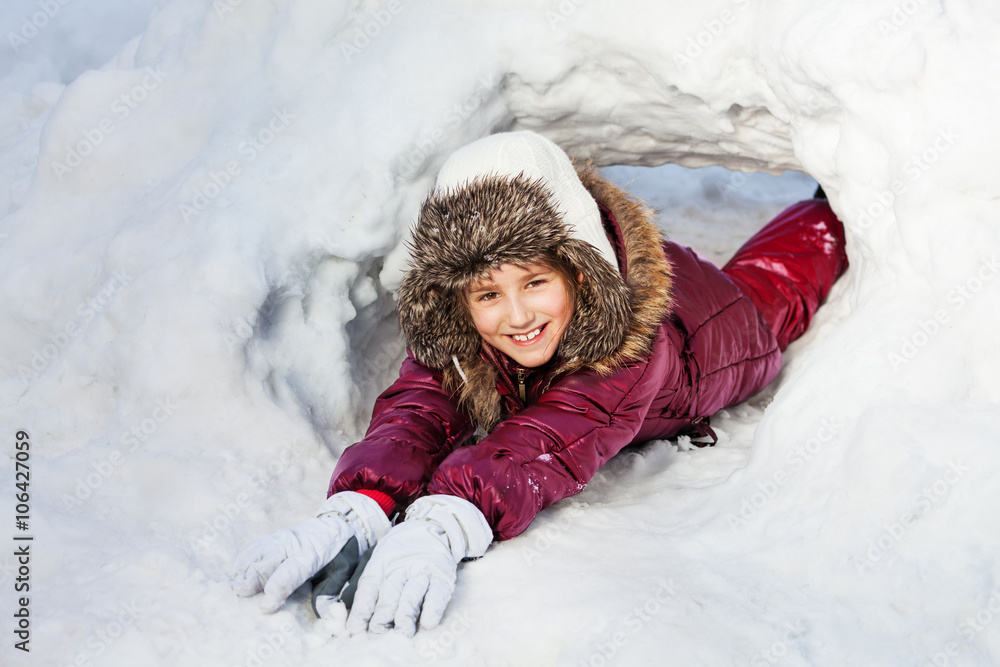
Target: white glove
pixel 412 571
pixel 286 559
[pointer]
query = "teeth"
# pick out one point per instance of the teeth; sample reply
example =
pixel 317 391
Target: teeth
pixel 526 337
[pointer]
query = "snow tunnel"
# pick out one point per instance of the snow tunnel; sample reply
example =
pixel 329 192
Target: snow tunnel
pixel 200 246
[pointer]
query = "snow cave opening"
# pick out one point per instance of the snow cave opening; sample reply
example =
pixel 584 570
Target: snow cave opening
pixel 711 209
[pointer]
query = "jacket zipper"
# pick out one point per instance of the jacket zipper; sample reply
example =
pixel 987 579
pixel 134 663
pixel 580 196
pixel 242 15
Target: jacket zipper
pixel 520 384
pixel 503 370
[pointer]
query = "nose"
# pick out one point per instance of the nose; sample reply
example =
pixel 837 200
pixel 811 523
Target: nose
pixel 520 313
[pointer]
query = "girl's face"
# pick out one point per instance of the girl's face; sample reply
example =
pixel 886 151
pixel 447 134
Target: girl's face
pixel 523 312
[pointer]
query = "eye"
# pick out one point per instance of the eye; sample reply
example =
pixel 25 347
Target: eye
pixel 487 296
pixel 537 282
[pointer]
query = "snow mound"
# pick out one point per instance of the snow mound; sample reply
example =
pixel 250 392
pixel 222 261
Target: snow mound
pixel 199 249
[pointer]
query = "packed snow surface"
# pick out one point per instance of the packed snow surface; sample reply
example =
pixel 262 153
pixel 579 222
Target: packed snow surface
pixel 203 227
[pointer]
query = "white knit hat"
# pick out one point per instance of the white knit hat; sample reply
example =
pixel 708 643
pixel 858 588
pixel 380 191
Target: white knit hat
pixel 534 156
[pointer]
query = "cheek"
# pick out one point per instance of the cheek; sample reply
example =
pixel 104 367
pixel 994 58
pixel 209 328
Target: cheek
pixel 483 322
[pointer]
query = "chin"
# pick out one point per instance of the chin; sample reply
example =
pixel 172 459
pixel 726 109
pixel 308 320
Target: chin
pixel 533 360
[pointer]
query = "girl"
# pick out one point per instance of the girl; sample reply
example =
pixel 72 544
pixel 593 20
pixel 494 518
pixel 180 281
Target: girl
pixel 549 326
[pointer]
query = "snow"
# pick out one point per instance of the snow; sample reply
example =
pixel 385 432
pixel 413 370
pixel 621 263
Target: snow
pixel 203 226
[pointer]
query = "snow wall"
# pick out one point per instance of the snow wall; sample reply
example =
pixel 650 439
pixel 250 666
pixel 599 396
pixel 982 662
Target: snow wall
pixel 197 260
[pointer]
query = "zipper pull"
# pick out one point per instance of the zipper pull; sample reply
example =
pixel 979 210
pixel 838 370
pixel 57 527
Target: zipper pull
pixel 520 384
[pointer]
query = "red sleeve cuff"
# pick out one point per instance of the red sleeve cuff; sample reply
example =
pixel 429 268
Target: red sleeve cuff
pixel 384 500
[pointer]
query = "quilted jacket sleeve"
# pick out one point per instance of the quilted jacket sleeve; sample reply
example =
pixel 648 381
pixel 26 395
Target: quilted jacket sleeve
pixel 415 425
pixel 552 448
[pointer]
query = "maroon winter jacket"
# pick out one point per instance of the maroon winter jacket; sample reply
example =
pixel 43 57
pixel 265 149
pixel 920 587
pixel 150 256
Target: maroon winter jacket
pixel 719 343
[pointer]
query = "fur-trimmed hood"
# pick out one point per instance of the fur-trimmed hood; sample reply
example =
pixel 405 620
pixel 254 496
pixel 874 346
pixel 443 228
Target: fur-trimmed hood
pixel 463 234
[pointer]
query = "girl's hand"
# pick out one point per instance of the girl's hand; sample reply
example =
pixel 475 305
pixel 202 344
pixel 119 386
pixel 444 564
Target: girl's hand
pixel 283 561
pixel 412 572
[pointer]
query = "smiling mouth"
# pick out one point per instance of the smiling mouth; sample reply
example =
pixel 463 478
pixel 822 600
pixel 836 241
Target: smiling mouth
pixel 530 336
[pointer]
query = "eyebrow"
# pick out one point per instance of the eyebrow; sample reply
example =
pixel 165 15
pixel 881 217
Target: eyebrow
pixel 491 286
pixel 481 287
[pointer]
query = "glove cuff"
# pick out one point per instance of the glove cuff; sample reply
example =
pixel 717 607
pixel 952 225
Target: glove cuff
pixel 384 500
pixel 363 514
pixel 468 533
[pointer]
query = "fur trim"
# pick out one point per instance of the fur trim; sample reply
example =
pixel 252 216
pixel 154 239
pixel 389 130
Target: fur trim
pixel 462 235
pixel 650 274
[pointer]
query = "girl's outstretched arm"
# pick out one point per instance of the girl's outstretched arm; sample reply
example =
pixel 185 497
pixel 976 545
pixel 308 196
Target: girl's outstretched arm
pixel 414 426
pixel 551 449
